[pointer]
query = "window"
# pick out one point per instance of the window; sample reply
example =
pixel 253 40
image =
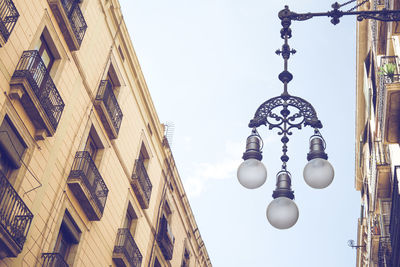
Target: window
pixel 94 146
pixel 121 53
pixel 91 147
pixel 385 206
pixel 12 147
pixel 67 239
pixel 144 156
pixel 157 263
pixel 168 216
pixel 185 260
pixel 47 50
pixel 112 77
pixel 45 53
pixel 130 221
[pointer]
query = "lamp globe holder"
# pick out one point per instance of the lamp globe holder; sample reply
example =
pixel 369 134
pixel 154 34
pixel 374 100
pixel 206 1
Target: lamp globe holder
pixel 252 172
pixel 318 172
pixel 282 212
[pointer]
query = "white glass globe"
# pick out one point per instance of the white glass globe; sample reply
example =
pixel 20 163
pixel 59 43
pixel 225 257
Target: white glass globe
pixel 318 173
pixel 282 213
pixel 252 173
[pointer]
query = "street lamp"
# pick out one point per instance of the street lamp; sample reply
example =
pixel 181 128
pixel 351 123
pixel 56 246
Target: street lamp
pixel 287 112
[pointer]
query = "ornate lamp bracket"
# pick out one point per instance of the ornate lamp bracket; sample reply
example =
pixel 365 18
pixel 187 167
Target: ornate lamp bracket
pixel 286 112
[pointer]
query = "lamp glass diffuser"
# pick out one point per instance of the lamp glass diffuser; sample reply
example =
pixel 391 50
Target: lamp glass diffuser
pixel 252 173
pixel 318 173
pixel 282 213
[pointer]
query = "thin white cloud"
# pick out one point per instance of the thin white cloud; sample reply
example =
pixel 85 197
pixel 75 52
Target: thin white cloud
pixel 205 171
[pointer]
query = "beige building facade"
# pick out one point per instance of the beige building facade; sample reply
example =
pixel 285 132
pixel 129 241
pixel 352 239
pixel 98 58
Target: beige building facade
pixel 87 177
pixel 377 139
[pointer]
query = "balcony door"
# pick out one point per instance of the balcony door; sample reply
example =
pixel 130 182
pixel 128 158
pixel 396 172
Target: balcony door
pixel 92 148
pixel 67 238
pixel 45 53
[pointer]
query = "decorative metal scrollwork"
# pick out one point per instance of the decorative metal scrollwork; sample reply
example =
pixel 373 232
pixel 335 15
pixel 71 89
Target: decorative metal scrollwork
pixel 386 15
pixel 287 112
pixel 294 113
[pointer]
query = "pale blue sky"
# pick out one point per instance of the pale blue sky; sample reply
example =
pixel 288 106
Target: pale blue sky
pixel 209 64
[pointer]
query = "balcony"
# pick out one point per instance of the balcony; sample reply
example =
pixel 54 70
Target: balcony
pixel 141 184
pixel 15 220
pixel 395 220
pixel 388 108
pixel 126 252
pixel 384 252
pixel 383 173
pixel 53 260
pixel 32 85
pixel 88 186
pixel 165 239
pixel 71 21
pixel 107 106
pixel 381 28
pixel 374 247
pixel 8 18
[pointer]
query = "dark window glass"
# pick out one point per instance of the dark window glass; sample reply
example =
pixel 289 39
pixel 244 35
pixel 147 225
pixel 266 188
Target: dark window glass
pixel 91 147
pixel 45 53
pixel 12 147
pixel 68 236
pixel 5 164
pixel 157 263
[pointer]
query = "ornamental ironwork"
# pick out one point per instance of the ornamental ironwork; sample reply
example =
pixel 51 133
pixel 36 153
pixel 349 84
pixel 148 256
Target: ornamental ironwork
pixel 165 239
pixel 287 112
pixel 126 245
pixel 385 79
pixel 32 68
pixel 107 96
pixel 53 259
pixel 384 252
pixel 15 217
pixel 8 18
pixel 84 168
pixel 75 17
pixel 141 178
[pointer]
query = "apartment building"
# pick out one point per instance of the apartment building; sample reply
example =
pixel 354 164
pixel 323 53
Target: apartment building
pixel 87 177
pixel 377 138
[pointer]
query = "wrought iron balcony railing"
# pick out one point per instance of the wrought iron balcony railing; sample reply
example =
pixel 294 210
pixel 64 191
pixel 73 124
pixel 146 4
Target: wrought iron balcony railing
pixel 382 153
pixel 385 79
pixel 53 260
pixel 32 69
pixel 395 220
pixel 389 78
pixel 8 18
pixel 76 18
pixel 384 252
pixel 84 177
pixel 383 171
pixel 379 28
pixel 15 217
pixel 108 107
pixel 141 184
pixel 125 245
pixel 165 239
pixel 71 21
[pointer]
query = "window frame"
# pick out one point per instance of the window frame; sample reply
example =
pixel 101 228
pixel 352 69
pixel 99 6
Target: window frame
pixel 17 175
pixel 68 228
pixel 44 47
